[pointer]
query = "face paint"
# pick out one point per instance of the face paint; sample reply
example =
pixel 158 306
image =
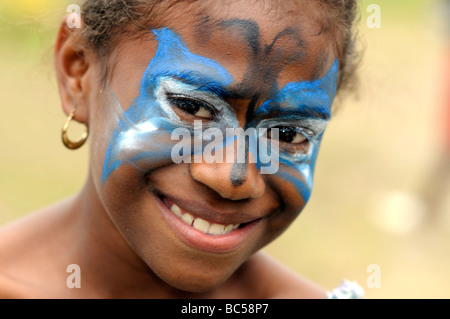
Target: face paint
pixel 305 106
pixel 142 134
pixel 143 131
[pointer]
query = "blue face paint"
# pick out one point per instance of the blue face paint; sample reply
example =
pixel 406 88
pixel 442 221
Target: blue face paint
pixel 306 105
pixel 307 98
pixel 143 130
pixel 142 134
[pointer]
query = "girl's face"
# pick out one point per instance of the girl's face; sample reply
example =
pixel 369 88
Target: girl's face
pixel 226 67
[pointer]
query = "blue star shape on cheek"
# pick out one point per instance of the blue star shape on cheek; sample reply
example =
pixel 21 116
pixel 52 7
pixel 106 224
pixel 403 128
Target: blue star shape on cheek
pixel 145 122
pixel 297 101
pixel 172 58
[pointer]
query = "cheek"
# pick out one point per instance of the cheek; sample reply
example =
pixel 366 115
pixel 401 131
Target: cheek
pixel 139 137
pixel 293 184
pixel 299 177
pixel 293 189
pixel 143 151
pixel 292 203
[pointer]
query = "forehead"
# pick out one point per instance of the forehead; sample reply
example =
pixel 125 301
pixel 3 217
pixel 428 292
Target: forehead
pixel 282 36
pixel 262 44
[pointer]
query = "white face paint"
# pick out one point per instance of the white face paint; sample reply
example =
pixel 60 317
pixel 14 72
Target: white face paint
pixel 177 79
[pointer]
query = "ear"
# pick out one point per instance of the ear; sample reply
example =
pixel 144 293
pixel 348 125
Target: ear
pixel 72 66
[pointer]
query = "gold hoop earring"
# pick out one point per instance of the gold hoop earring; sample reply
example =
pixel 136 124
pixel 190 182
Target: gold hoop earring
pixel 65 139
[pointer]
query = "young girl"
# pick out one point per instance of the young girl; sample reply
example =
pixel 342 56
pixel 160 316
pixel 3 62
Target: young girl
pixel 146 225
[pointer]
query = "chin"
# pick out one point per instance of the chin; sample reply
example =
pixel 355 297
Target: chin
pixel 197 287
pixel 199 281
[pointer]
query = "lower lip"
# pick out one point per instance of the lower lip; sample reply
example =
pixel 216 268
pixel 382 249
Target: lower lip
pixel 208 243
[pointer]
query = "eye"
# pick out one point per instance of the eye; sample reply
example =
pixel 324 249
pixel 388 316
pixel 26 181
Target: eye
pixel 291 135
pixel 293 139
pixel 192 106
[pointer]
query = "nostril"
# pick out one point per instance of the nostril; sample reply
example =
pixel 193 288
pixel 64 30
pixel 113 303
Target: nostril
pixel 238 174
pixel 231 181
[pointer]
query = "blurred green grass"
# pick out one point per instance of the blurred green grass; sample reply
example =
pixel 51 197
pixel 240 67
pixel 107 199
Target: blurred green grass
pixel 35 169
pixel 385 141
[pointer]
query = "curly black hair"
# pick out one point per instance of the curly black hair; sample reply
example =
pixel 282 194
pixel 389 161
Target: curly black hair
pixel 107 21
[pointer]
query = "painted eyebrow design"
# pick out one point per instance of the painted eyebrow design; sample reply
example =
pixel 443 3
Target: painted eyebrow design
pixel 202 82
pixel 306 112
pixel 296 114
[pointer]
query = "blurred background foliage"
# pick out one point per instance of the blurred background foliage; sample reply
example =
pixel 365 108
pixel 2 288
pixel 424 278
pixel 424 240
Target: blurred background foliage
pixel 369 204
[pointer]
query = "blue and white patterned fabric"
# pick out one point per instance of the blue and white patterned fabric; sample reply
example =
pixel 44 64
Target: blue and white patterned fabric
pixel 347 290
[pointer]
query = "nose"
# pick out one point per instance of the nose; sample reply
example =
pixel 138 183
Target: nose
pixel 234 181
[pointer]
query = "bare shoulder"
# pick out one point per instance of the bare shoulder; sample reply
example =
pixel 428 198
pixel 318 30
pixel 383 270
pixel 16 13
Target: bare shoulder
pixel 26 247
pixel 8 288
pixel 11 288
pixel 14 261
pixel 280 282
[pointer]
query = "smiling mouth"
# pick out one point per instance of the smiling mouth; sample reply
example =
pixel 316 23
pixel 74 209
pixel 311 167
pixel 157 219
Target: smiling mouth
pixel 202 225
pixel 221 232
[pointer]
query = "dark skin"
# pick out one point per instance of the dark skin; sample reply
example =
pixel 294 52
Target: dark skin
pixel 266 61
pixel 115 233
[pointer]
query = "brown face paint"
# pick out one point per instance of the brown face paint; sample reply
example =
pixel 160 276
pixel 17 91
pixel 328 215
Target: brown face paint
pixel 266 62
pixel 257 93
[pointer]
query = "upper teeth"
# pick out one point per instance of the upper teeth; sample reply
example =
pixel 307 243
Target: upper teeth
pixel 203 225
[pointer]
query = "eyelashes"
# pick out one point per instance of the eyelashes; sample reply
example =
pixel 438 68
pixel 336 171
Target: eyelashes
pixel 291 139
pixel 192 107
pixel 292 135
pixel 296 138
pixel 185 103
